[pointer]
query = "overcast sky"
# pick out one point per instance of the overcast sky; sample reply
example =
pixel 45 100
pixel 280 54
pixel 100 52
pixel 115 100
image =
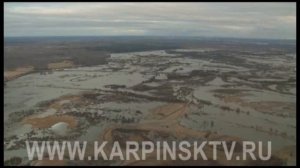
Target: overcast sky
pixel 244 20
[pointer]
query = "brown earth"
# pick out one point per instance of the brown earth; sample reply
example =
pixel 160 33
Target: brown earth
pixel 13 74
pixel 61 65
pixel 271 107
pixel 48 162
pixel 47 122
pixel 163 122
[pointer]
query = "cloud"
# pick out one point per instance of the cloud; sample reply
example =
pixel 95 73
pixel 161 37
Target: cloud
pixel 196 19
pixel 288 19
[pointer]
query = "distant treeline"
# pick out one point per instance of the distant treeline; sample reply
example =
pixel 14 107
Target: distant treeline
pixel 86 51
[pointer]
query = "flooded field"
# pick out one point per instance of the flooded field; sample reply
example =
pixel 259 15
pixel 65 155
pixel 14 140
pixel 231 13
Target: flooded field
pixel 184 94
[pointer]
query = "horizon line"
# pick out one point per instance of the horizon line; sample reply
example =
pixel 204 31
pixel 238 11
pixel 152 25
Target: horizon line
pixel 173 36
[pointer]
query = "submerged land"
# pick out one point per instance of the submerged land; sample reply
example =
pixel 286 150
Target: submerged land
pixel 149 88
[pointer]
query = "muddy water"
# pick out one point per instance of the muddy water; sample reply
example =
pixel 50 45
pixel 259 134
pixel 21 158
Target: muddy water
pixel 254 127
pixel 26 92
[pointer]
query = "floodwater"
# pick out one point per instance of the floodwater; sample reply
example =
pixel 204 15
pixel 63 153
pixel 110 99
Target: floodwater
pixel 131 69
